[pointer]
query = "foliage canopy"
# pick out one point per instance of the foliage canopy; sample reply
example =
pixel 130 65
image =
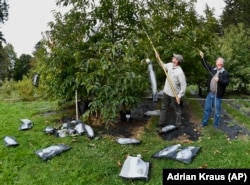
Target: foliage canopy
pixel 99 49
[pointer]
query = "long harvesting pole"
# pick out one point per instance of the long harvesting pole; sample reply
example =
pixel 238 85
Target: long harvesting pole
pixel 162 65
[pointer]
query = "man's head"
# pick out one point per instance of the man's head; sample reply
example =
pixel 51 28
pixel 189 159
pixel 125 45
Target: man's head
pixel 177 59
pixel 220 63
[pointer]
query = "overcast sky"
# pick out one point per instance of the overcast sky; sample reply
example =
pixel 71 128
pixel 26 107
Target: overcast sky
pixel 29 18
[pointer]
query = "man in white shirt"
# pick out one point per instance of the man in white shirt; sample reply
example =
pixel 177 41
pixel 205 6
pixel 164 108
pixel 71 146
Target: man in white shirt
pixel 172 95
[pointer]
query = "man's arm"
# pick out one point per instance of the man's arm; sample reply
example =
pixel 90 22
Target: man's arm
pixel 201 54
pixel 204 63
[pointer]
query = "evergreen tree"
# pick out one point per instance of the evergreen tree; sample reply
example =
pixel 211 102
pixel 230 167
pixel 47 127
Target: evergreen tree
pixel 22 67
pixel 235 12
pixel 3 16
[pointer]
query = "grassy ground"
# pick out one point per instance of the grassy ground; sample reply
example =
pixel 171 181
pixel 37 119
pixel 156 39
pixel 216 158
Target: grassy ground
pixel 99 160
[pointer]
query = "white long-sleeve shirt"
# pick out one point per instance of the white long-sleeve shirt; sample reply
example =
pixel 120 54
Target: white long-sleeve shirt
pixel 177 78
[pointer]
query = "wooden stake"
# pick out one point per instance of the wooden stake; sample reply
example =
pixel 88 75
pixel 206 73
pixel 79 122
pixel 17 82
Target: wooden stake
pixel 76 106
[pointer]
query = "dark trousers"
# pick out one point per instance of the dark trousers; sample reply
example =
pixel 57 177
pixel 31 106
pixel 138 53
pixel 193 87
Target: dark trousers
pixel 166 102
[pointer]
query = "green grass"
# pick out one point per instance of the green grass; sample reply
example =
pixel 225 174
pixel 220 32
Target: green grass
pixel 238 115
pixel 95 161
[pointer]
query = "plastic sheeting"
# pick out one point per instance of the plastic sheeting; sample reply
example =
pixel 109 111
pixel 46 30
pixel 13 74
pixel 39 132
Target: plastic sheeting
pixel 152 80
pixel 135 168
pixel 152 113
pixel 26 124
pixel 35 80
pixel 49 130
pixel 10 141
pixel 49 152
pixel 124 141
pixel 167 128
pixel 72 128
pixel 184 154
pixel 89 131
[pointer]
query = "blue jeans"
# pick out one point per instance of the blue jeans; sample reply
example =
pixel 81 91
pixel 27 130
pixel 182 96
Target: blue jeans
pixel 212 102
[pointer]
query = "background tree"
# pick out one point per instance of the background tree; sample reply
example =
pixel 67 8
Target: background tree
pixel 3 17
pixel 97 63
pixel 4 7
pixel 10 60
pixel 3 65
pixel 235 46
pixel 22 67
pixel 235 12
pixel 235 43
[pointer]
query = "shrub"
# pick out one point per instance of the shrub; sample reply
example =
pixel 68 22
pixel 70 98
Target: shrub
pixel 25 89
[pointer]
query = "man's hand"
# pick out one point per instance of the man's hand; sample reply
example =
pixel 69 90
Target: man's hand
pixel 201 54
pixel 216 79
pixel 178 100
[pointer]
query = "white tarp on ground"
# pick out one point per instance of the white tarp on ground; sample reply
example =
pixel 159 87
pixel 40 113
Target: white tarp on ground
pixel 26 124
pixel 124 141
pixel 152 113
pixel 135 168
pixel 10 141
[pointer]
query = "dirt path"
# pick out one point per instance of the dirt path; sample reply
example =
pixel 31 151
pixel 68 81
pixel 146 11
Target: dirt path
pixel 189 131
pixel 228 125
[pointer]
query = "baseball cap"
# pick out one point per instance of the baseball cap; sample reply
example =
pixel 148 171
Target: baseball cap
pixel 178 57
